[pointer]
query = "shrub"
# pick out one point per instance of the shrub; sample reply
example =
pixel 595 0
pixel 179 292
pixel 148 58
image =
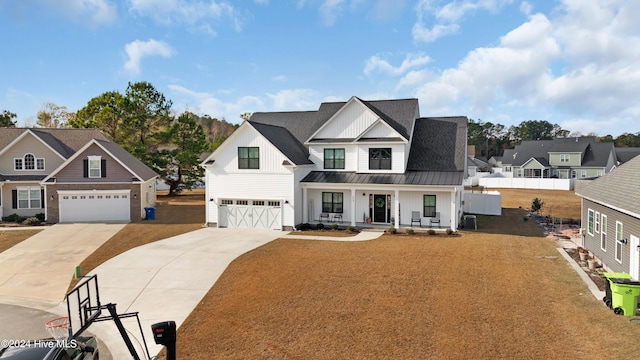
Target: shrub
pixel 40 216
pixel 536 205
pixel 319 226
pixel 449 232
pixel 392 230
pixel 334 227
pixel 431 232
pixel 304 227
pixel 15 218
pixel 525 218
pixel 31 221
pixel 410 231
pixel 352 229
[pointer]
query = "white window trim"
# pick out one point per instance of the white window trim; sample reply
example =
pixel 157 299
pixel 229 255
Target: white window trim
pixel 619 240
pixel 28 189
pixel 22 163
pixel 93 158
pixel 603 232
pixel 590 215
pixel 596 225
pixel 565 158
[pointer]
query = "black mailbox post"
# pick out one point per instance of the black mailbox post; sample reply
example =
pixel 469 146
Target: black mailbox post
pixel 164 333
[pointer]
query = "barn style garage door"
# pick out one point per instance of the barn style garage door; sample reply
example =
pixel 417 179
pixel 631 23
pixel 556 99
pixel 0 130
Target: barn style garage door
pixel 256 214
pixel 94 206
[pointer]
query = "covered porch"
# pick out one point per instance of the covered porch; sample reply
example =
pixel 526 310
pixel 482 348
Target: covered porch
pixel 380 207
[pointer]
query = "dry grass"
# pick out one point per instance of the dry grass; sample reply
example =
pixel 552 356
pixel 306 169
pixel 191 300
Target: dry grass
pixel 174 216
pixel 557 203
pixel 9 238
pixel 504 293
pixel 501 292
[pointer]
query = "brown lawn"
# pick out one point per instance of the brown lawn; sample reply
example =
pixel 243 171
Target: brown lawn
pixel 557 203
pixel 502 292
pixel 9 238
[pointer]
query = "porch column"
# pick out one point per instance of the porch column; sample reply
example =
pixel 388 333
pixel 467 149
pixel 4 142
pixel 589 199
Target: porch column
pixel 353 207
pixel 305 206
pixel 454 208
pixel 396 209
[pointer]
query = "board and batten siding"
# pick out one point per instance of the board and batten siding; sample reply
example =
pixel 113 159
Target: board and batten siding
pixel 253 186
pixel 348 123
pixel 381 130
pixel 413 201
pixel 270 157
pixel 296 206
pixel 29 145
pixel 397 157
pixel 316 154
pixel 630 226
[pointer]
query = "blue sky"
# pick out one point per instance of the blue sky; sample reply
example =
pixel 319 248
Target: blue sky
pixel 575 63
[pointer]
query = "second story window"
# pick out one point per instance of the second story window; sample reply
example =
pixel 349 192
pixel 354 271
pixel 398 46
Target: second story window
pixel 334 158
pixel 380 159
pixel 248 158
pixel 564 158
pixel 28 162
pixel 94 166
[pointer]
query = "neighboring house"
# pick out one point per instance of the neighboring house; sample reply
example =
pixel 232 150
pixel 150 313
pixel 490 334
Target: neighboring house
pixel 565 158
pixel 348 162
pixel 71 175
pixel 611 217
pixel 495 163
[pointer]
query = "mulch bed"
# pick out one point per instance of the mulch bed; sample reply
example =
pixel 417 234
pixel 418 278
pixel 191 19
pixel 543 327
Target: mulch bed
pixel 595 275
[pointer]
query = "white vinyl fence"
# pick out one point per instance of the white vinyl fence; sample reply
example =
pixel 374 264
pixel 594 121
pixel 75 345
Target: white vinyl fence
pixel 486 203
pixel 527 183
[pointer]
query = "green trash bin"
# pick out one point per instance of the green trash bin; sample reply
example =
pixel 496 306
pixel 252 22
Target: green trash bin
pixel 624 296
pixel 608 276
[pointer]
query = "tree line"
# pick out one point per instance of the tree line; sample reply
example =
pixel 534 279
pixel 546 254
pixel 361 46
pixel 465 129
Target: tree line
pixel 142 122
pixel 492 139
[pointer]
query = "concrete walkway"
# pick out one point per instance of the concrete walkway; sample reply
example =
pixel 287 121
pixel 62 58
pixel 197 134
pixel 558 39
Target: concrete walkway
pixel 36 272
pixel 166 279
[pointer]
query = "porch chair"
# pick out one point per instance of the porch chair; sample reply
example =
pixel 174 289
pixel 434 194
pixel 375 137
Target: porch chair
pixel 435 220
pixel 324 216
pixel 415 217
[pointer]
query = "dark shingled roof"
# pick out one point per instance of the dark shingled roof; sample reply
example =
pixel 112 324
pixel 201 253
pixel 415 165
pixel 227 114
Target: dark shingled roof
pixel 64 141
pixel 619 188
pixel 438 144
pixel 409 178
pixel 301 124
pixel 282 139
pixel 67 142
pixel 625 154
pixel 593 153
pixel 138 167
pixel 399 114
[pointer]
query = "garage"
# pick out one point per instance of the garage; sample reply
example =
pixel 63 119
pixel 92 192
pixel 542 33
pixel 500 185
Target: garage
pixel 254 214
pixel 94 206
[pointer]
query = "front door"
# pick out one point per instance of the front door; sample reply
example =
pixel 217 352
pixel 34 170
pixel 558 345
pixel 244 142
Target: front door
pixel 634 261
pixel 380 208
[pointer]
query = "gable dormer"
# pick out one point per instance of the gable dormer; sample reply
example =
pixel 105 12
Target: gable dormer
pixel 353 121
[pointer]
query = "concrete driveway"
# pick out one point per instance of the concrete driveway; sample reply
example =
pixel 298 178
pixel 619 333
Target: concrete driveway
pixel 36 272
pixel 166 279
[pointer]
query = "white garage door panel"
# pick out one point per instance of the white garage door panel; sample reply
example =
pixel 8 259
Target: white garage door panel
pixel 94 206
pixel 264 215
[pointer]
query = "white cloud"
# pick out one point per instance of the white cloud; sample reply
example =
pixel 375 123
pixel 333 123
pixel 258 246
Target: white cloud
pixel 329 11
pixel 137 50
pixel 210 104
pixel 377 64
pixel 199 14
pixel 447 18
pixel 94 12
pixel 580 62
pixel 279 78
pixel 294 99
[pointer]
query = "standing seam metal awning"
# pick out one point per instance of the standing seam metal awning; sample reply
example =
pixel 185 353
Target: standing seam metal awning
pixel 451 178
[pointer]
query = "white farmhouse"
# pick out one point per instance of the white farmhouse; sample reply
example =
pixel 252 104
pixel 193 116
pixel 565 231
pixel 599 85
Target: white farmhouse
pixel 353 163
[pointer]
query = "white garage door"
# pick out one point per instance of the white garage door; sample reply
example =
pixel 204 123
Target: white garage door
pixel 94 206
pixel 256 214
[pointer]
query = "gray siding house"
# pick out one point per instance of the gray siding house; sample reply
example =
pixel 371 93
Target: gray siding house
pixel 611 217
pixel 565 158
